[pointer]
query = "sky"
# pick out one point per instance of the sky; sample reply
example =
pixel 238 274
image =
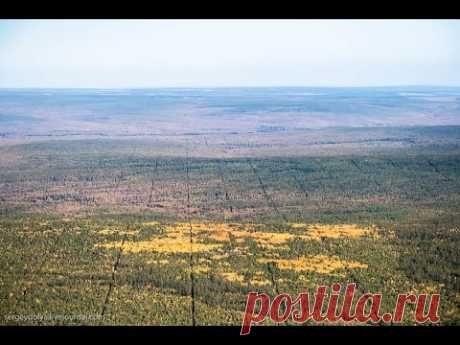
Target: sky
pixel 207 53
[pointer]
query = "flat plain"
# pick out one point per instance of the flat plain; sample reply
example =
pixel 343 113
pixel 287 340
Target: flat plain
pixel 167 206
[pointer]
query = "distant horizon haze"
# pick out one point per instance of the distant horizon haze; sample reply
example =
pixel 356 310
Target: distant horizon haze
pixel 234 87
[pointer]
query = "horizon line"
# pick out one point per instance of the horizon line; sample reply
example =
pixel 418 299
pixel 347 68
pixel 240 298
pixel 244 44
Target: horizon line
pixel 220 87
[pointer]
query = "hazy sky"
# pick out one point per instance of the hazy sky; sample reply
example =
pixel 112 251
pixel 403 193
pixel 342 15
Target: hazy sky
pixel 149 53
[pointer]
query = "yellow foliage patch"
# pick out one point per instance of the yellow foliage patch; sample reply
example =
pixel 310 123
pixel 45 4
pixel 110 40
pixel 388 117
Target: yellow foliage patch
pixel 219 256
pixel 221 231
pixel 200 269
pixel 153 223
pixel 298 225
pixel 318 263
pixel 455 230
pixel 259 279
pixel 160 245
pixel 232 277
pixel 316 231
pixel 427 288
pixel 176 237
pixel 117 232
